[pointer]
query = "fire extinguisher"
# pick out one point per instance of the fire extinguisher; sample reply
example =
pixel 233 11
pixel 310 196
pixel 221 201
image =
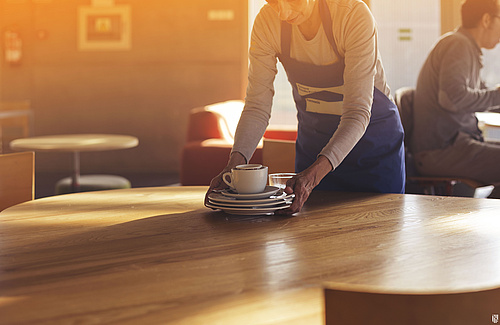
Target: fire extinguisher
pixel 13 47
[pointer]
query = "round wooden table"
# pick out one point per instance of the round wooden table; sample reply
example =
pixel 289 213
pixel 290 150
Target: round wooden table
pixel 489 124
pixel 158 256
pixel 75 143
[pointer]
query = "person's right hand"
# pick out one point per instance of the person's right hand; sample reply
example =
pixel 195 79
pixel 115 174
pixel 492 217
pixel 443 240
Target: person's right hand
pixel 217 184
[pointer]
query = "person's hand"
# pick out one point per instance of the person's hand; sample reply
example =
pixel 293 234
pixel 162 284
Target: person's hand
pixel 303 183
pixel 217 184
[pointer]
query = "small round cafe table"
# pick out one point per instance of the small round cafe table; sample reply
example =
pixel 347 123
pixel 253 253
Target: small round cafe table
pixel 75 143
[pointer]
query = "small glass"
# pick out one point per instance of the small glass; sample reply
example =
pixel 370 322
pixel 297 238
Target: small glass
pixel 280 179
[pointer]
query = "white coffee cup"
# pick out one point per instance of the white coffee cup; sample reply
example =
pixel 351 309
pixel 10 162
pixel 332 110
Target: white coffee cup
pixel 247 179
pixel 249 166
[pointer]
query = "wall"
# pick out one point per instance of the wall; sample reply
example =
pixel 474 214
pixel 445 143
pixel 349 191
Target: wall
pixel 450 15
pixel 178 60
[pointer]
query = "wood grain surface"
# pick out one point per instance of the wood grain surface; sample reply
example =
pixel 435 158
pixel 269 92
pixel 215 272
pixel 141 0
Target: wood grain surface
pixel 158 256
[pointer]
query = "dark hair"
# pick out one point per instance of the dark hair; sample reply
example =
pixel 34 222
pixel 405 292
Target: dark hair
pixel 473 11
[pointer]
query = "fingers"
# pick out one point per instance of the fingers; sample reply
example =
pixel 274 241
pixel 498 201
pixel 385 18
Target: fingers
pixel 302 188
pixel 295 207
pixel 299 200
pixel 290 184
pixel 215 184
pixel 236 158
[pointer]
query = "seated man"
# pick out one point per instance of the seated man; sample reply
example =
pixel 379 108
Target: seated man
pixel 446 139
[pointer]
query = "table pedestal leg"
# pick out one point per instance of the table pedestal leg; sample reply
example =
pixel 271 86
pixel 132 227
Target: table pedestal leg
pixel 75 178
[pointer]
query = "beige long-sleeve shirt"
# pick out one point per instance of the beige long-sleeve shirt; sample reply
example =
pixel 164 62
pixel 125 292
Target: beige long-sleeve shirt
pixel 355 34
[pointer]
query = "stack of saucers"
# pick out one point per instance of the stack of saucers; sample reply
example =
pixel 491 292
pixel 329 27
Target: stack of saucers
pixel 264 203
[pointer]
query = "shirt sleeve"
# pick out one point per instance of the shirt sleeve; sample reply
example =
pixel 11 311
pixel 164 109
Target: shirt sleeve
pixel 461 88
pixel 356 38
pixel 260 90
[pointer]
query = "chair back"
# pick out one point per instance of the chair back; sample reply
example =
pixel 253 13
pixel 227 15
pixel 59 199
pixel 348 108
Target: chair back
pixel 404 101
pixel 17 178
pixel 415 183
pixel 344 306
pixel 216 121
pixel 15 122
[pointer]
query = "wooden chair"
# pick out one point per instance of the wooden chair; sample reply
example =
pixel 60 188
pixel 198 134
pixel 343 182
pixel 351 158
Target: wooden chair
pixel 359 306
pixel 278 155
pixel 17 178
pixel 418 184
pixel 15 122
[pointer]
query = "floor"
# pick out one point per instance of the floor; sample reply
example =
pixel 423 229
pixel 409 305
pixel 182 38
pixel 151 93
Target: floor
pixel 45 182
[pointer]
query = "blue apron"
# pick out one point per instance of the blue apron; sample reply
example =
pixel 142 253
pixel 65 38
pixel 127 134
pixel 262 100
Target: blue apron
pixel 376 163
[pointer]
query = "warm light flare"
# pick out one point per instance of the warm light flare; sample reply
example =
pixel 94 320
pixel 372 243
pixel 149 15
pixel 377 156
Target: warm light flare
pixel 425 237
pixel 231 111
pixel 279 262
pixel 99 204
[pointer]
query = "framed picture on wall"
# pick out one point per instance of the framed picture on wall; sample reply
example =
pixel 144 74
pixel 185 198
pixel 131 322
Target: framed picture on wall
pixel 104 28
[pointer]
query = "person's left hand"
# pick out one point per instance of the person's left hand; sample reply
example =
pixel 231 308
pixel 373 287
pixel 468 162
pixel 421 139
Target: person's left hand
pixel 303 183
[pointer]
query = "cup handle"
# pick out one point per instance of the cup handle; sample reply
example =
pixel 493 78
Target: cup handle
pixel 230 183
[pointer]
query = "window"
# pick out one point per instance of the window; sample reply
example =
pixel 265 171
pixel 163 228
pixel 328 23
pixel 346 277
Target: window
pixel 491 69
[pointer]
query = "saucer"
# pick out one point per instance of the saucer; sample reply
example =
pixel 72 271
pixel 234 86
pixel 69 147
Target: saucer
pixel 249 211
pixel 268 191
pixel 249 204
pixel 221 199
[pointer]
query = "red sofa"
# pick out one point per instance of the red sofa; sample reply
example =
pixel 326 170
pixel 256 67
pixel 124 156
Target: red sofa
pixel 209 141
